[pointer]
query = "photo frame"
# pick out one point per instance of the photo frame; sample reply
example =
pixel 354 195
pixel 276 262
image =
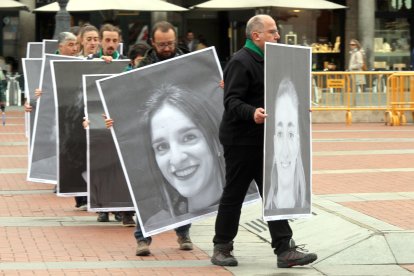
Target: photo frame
pixel 291 39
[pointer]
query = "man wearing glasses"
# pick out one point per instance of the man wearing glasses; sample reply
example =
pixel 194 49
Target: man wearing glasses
pixel 242 135
pixel 164 46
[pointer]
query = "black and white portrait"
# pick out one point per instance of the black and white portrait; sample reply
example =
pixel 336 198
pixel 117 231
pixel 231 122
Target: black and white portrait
pixel 287 177
pixel 50 46
pixel 169 147
pixel 42 158
pixel 107 186
pixel 71 135
pixel 31 71
pixel 34 50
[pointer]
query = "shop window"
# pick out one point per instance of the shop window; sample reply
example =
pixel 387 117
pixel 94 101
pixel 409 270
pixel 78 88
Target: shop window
pixel 392 44
pixel 10 36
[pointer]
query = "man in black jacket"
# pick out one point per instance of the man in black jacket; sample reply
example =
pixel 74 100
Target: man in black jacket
pixel 241 134
pixel 164 46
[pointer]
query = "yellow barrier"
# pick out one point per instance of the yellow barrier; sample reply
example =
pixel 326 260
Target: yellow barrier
pixel 400 98
pixel 362 90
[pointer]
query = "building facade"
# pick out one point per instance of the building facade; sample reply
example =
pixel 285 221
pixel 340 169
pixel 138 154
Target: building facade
pixel 384 27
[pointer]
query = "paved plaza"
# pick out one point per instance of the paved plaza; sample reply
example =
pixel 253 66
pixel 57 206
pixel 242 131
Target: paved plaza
pixel 362 222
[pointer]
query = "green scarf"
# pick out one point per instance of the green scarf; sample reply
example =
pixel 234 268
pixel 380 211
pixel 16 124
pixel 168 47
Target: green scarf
pixel 250 45
pixel 115 55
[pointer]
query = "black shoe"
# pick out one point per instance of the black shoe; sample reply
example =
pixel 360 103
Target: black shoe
pixel 118 216
pixel 127 220
pixel 103 217
pixel 223 255
pixel 295 255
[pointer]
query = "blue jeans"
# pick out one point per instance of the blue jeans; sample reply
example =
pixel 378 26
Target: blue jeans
pixel 181 231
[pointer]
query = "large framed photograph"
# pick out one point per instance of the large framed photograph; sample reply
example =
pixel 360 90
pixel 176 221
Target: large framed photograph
pixel 69 108
pixel 287 175
pixel 106 184
pixel 166 121
pixel 42 157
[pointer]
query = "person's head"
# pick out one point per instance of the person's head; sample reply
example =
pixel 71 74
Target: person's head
pixel 164 39
pixel 183 134
pixel 110 37
pixel 190 36
pixel 76 30
pixel 89 40
pixel 137 52
pixel 354 44
pixel 67 44
pixel 262 28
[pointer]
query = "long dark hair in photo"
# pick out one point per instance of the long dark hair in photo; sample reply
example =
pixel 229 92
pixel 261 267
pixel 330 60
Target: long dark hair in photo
pixel 204 115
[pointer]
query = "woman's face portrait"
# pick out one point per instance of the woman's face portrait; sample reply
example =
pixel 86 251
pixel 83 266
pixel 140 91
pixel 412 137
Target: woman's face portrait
pixel 286 139
pixel 181 151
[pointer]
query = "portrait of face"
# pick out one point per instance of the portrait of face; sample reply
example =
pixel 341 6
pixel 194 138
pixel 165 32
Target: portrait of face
pixel 164 43
pixel 90 42
pixel 110 42
pixel 286 139
pixel 181 151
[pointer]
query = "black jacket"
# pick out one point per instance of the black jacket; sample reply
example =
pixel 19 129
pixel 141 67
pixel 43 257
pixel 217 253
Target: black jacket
pixel 243 93
pixel 151 57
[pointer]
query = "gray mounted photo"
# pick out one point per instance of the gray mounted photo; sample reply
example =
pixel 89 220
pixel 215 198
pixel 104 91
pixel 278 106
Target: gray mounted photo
pixel 287 178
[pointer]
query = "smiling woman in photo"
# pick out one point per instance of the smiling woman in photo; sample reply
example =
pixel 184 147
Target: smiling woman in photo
pixel 288 184
pixel 184 152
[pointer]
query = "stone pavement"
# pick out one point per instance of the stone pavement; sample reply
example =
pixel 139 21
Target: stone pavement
pixel 362 223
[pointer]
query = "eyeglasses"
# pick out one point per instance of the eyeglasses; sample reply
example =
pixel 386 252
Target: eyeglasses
pixel 169 44
pixel 272 32
pixel 352 44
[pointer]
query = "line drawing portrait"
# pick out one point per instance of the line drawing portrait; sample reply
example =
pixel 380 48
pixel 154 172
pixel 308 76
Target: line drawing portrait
pixel 184 153
pixel 287 171
pixel 288 183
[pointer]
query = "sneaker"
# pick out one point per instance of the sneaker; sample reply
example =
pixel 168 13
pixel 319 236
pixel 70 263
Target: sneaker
pixel 223 255
pixel 143 248
pixel 103 217
pixel 295 255
pixel 83 207
pixel 128 220
pixel 185 243
pixel 118 216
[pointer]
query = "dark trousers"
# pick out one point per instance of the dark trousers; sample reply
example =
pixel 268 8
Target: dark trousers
pixel 244 164
pixel 81 200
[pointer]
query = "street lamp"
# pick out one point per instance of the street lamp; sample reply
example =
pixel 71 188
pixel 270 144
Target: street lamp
pixel 62 19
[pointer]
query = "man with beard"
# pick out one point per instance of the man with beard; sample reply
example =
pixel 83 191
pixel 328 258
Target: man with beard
pixel 164 46
pixel 110 37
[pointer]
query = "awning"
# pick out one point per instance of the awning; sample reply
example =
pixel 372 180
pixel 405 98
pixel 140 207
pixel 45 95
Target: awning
pixel 112 5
